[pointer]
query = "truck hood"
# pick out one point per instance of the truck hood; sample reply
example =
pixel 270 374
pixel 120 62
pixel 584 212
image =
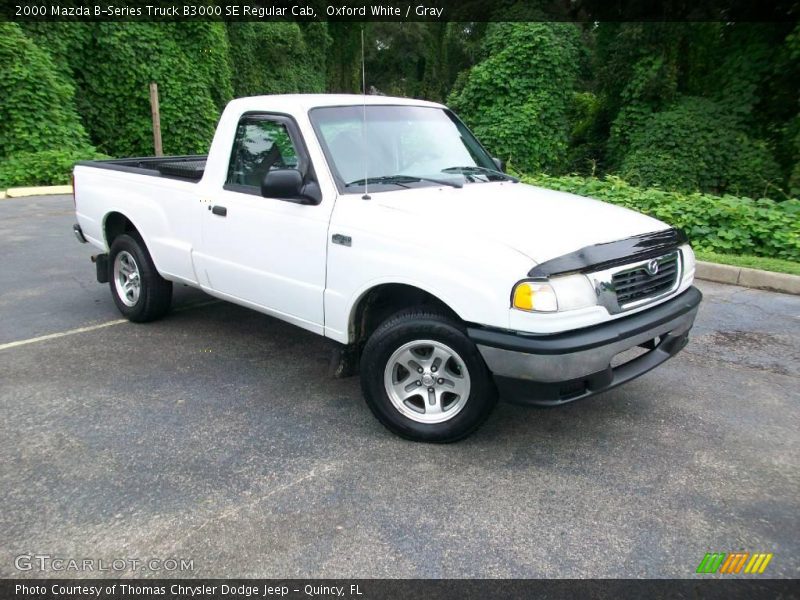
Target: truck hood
pixel 540 223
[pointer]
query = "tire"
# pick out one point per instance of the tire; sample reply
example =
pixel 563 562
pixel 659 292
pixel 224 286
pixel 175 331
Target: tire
pixel 448 399
pixel 129 264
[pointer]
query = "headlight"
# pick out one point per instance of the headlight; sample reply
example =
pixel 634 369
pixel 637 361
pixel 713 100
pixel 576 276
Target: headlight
pixel 534 295
pixel 569 292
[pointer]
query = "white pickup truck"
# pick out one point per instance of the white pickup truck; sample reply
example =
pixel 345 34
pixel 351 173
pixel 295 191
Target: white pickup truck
pixel 384 225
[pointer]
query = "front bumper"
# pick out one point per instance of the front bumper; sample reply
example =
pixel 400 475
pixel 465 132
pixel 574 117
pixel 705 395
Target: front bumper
pixel 554 369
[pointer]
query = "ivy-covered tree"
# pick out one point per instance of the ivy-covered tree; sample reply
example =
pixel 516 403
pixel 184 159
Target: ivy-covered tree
pixel 37 111
pixel 112 65
pixel 119 62
pixel 278 57
pixel 516 98
pixel 687 106
pixel 695 144
pixel 396 55
pixel 41 135
pixel 205 44
pixel 343 73
pixel 698 106
pixel 782 113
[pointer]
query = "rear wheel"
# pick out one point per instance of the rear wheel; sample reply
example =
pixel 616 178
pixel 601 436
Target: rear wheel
pixel 139 292
pixel 424 379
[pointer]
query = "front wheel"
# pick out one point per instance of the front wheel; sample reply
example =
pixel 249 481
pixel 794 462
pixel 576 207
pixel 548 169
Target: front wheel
pixel 424 379
pixel 139 292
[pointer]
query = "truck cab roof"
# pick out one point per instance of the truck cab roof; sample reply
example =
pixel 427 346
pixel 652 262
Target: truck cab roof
pixel 290 103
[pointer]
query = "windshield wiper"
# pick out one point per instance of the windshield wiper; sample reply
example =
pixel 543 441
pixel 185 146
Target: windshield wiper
pixel 401 180
pixel 482 170
pixel 392 179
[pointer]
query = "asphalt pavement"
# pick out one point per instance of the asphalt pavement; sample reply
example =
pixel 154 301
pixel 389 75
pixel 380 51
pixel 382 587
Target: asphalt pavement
pixel 215 435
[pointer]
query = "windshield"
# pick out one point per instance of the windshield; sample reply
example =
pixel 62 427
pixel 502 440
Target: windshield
pixel 397 147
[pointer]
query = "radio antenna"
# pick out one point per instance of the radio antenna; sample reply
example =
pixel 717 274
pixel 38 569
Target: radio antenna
pixel 364 153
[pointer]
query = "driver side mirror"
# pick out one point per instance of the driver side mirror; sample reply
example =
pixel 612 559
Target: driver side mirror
pixel 501 166
pixel 282 183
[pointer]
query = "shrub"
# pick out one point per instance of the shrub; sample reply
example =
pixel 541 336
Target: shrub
pixel 46 167
pixel 724 224
pixel 694 145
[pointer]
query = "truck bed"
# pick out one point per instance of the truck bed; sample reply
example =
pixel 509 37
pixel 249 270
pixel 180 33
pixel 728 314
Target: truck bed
pixel 187 168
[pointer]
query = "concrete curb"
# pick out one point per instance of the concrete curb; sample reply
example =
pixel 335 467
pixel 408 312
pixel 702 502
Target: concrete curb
pixel 46 190
pixel 751 278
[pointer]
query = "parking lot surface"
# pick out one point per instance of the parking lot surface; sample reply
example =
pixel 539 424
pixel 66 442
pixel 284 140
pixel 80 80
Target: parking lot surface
pixel 216 435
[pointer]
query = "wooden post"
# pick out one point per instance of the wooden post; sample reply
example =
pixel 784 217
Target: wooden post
pixel 156 119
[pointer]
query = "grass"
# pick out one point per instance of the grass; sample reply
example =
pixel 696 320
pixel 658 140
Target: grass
pixel 753 262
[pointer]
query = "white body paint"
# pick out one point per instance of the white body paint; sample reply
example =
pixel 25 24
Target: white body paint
pixel 468 246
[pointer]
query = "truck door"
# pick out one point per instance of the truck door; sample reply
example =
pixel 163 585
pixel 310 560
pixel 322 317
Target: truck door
pixel 267 252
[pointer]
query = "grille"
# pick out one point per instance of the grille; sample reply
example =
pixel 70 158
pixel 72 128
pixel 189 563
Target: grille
pixel 638 284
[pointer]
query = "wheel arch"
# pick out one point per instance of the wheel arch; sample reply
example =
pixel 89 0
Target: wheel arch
pixel 115 224
pixel 380 301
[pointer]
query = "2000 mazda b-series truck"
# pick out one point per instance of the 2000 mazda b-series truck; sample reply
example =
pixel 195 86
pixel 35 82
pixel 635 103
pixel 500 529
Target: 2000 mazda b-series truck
pixel 383 224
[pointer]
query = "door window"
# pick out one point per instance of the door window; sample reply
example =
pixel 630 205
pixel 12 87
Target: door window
pixel 260 146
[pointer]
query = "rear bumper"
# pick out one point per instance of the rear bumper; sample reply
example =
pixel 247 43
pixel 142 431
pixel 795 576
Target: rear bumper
pixel 554 369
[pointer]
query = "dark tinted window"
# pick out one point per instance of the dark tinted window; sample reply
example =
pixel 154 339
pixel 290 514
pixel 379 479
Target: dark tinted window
pixel 260 146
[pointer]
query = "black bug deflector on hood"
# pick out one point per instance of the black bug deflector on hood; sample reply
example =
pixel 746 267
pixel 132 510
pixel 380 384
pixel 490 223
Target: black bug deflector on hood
pixel 610 254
